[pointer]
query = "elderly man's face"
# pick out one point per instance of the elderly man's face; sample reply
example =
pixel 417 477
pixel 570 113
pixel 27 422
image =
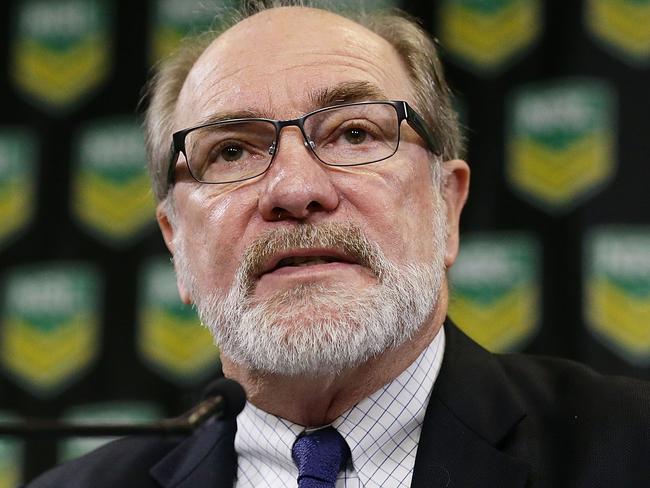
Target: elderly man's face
pixel 379 224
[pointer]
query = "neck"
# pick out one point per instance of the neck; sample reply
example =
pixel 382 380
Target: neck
pixel 319 400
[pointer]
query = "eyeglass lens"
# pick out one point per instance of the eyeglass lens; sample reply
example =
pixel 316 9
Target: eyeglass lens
pixel 341 136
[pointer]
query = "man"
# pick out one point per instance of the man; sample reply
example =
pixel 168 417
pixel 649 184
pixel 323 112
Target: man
pixel 311 206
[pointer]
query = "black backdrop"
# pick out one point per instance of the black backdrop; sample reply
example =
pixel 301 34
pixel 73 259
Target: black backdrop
pixel 556 242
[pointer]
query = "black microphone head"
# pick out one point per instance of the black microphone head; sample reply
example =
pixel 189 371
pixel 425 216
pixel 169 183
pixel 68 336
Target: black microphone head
pixel 234 396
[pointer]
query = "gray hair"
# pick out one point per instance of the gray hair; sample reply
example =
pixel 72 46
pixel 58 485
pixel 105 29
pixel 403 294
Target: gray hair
pixel 412 43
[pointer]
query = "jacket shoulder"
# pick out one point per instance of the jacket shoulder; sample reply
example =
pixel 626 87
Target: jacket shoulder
pixel 583 427
pixel 125 463
pixel 554 383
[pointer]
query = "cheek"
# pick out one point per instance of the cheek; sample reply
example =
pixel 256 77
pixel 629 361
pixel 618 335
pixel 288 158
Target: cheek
pixel 421 202
pixel 396 204
pixel 211 228
pixel 419 208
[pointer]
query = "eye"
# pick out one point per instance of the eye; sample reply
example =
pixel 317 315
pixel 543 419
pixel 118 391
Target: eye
pixel 355 136
pixel 231 153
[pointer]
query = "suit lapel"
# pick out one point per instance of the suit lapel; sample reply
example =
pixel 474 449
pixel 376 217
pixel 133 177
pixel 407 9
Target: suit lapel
pixel 207 459
pixel 471 419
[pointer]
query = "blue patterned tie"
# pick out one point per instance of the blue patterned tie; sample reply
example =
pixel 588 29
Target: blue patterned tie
pixel 319 455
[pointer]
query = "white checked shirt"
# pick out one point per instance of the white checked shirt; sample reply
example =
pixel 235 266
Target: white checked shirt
pixel 382 431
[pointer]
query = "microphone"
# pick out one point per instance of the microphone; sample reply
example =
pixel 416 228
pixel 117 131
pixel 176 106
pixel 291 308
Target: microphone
pixel 223 399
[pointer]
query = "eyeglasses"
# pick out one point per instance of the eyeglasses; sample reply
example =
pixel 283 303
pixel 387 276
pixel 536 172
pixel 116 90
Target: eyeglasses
pixel 352 134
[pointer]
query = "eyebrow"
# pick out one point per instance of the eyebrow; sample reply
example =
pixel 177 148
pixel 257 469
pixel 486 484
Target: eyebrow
pixel 346 92
pixel 234 114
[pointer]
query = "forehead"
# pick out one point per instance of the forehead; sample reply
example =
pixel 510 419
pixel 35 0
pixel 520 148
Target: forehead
pixel 274 62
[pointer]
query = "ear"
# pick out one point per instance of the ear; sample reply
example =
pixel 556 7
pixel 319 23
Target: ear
pixel 168 231
pixel 455 189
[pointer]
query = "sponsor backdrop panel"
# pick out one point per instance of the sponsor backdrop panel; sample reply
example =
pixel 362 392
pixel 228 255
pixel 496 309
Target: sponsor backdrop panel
pixel 110 195
pixel 17 181
pixel 172 20
pixel 622 27
pixel 60 50
pixel 50 325
pixel 487 36
pixel 560 142
pixel 171 339
pixel 617 290
pixel 554 257
pixel 496 289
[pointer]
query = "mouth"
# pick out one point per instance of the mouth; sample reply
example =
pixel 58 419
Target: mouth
pixel 304 258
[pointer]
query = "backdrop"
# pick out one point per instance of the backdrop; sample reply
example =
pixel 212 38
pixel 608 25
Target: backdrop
pixel 555 254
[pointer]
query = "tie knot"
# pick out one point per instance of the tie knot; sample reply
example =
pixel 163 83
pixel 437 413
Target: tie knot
pixel 319 456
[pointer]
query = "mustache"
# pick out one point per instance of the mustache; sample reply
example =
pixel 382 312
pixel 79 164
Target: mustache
pixel 347 238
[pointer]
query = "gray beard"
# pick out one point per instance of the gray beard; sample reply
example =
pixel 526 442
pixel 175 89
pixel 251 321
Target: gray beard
pixel 313 329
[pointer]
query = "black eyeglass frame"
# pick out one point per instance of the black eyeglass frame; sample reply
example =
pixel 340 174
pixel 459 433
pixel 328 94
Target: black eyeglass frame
pixel 403 109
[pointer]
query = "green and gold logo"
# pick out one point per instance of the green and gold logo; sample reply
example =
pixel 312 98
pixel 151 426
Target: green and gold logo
pixel 561 142
pixel 61 50
pixel 486 36
pixel 49 335
pixel 171 339
pixel 17 175
pixel 11 457
pixel 495 290
pixel 131 412
pixel 623 26
pixel 617 290
pixel 173 20
pixel 110 194
pixel 355 5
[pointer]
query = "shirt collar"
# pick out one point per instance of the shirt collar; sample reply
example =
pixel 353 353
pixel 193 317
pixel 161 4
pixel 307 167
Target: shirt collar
pixel 382 430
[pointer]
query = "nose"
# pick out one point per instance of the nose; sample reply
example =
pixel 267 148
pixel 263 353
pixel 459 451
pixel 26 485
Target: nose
pixel 297 185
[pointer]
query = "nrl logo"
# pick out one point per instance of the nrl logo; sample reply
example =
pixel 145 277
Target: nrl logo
pixel 171 340
pixel 356 5
pixel 486 36
pixel 173 20
pixel 17 193
pixel 617 290
pixel 561 142
pixel 622 26
pixel 50 331
pixel 60 50
pixel 495 290
pixel 110 189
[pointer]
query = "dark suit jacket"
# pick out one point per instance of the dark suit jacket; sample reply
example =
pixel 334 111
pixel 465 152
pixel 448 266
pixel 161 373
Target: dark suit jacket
pixel 492 421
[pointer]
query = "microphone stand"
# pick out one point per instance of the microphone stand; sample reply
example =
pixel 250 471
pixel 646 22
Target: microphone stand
pixel 226 399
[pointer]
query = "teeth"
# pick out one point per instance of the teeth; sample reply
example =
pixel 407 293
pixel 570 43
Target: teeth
pixel 304 261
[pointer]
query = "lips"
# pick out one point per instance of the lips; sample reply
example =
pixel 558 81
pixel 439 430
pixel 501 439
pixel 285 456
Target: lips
pixel 304 258
pixel 305 261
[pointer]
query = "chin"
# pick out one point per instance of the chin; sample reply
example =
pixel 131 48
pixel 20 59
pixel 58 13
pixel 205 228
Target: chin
pixel 315 330
pixel 308 306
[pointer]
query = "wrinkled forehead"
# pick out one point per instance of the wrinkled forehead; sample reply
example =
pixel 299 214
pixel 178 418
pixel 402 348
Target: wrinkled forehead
pixel 280 62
